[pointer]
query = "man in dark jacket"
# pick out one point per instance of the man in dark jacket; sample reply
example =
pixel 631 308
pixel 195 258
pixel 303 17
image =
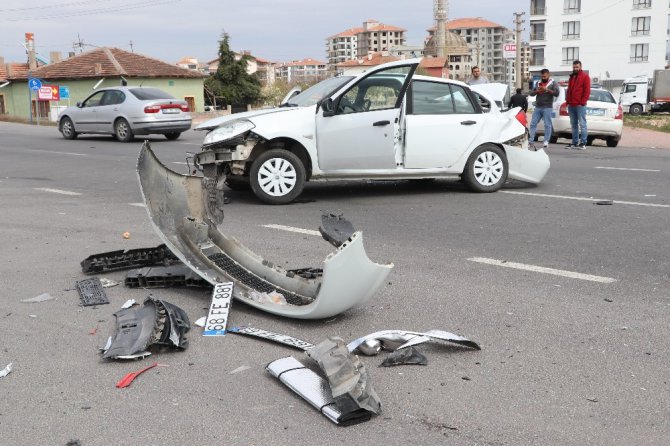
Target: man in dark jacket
pixel 545 93
pixel 579 90
pixel 518 100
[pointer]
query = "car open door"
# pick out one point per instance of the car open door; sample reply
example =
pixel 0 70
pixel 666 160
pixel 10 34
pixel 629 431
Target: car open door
pixel 360 130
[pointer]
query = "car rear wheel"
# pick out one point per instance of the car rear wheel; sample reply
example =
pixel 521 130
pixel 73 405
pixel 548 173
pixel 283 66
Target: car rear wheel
pixel 277 176
pixel 612 141
pixel 589 140
pixel 67 129
pixel 486 169
pixel 172 136
pixel 123 131
pixel 636 109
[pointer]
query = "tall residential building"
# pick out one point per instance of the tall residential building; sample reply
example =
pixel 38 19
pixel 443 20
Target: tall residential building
pixel 354 43
pixel 613 39
pixel 486 41
pixel 301 71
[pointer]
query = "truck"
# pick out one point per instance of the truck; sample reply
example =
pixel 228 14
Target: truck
pixel 642 94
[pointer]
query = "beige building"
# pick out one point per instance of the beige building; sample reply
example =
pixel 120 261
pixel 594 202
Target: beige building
pixel 458 54
pixel 354 43
pixel 301 71
pixel 264 69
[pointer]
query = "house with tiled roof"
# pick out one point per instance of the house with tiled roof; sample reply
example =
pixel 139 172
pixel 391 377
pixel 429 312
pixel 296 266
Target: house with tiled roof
pixel 429 66
pixel 264 69
pixel 100 67
pixel 302 71
pixel 353 43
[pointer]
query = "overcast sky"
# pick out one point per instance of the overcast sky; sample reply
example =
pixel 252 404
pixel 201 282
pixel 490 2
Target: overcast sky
pixel 277 30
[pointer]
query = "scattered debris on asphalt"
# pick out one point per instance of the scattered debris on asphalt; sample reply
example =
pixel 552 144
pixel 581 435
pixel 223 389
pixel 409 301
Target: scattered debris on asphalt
pixel 130 377
pixel 91 292
pixel 201 322
pixel 126 235
pixel 406 356
pixel 127 259
pixel 315 390
pixel 241 368
pixel 164 277
pixel 275 337
pixel 138 328
pixel 398 339
pixel 41 298
pixel 347 376
pixel 107 283
pixel 604 202
pixel 129 303
pixel 6 371
pixel 335 229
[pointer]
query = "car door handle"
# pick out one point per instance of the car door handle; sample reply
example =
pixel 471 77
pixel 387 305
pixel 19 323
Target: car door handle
pixel 468 122
pixel 381 123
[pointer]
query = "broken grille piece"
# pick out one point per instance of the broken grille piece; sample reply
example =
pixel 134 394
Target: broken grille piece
pixel 164 277
pixel 91 292
pixel 335 229
pixel 133 258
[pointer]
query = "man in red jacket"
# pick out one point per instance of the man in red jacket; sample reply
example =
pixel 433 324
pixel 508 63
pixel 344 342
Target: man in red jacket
pixel 579 90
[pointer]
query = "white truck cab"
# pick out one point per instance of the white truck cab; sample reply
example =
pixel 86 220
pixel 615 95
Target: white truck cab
pixel 635 92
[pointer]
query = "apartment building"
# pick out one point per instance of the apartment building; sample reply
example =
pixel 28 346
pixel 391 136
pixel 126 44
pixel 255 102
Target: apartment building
pixel 486 41
pixel 301 71
pixel 613 39
pixel 355 43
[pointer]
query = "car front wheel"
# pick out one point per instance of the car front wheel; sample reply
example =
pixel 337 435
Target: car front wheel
pixel 486 169
pixel 67 129
pixel 122 130
pixel 277 176
pixel 172 136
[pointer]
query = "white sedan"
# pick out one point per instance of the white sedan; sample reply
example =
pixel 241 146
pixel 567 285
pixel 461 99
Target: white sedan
pixel 384 124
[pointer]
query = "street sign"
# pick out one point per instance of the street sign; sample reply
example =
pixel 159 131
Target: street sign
pixel 48 93
pixel 509 51
pixel 64 92
pixel 34 84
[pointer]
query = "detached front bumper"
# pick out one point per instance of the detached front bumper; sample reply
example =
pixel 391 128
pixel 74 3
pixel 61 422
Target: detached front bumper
pixel 527 165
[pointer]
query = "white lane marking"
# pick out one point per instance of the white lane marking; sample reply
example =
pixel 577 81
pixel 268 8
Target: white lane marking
pixel 57 191
pixel 592 199
pixel 139 205
pixel 627 168
pixel 58 153
pixel 178 162
pixel 541 269
pixel 292 229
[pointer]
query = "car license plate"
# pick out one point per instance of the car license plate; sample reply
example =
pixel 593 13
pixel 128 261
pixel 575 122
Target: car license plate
pixel 595 111
pixel 170 110
pixel 217 319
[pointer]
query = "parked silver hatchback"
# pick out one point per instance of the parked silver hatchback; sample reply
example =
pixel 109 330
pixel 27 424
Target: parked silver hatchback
pixel 125 112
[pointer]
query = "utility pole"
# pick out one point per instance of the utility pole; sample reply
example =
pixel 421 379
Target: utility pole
pixel 131 47
pixel 517 66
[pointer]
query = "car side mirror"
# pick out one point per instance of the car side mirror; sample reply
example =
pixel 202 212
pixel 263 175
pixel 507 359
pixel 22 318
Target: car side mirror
pixel 328 107
pixel 79 104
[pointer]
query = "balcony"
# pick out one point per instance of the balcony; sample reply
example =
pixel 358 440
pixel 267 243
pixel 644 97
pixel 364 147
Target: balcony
pixel 537 61
pixel 538 10
pixel 640 32
pixel 538 36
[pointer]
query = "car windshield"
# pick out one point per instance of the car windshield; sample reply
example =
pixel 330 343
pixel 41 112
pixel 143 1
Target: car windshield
pixel 602 96
pixel 144 94
pixel 317 92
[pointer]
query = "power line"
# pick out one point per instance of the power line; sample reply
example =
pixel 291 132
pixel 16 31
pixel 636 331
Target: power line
pixel 126 7
pixel 59 5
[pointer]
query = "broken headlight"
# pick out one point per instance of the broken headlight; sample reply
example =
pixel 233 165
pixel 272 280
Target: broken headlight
pixel 230 132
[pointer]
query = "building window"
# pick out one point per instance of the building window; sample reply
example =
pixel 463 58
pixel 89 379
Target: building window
pixel 641 26
pixel 571 30
pixel 572 6
pixel 639 52
pixel 641 4
pixel 538 7
pixel 569 55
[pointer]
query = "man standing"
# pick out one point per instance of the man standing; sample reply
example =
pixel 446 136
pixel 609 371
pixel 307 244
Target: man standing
pixel 477 78
pixel 545 93
pixel 518 100
pixel 579 90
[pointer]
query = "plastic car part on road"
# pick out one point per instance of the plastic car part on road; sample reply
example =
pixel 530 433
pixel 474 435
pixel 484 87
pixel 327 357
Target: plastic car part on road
pixel 185 212
pixel 398 339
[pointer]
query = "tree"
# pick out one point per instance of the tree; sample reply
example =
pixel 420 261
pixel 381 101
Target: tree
pixel 231 80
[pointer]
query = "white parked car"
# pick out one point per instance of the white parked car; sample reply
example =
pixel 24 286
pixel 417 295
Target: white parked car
pixel 604 118
pixel 384 124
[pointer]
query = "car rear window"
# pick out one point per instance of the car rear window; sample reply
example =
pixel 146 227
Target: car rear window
pixel 602 96
pixel 144 94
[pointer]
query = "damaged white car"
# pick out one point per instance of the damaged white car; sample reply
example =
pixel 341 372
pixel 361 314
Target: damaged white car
pixel 388 123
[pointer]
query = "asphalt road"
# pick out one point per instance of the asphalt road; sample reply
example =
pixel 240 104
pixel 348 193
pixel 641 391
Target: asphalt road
pixel 564 360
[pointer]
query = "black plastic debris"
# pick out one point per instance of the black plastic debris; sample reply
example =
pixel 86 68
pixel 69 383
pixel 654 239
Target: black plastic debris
pixel 347 376
pixel 164 277
pixel 335 229
pixel 271 336
pixel 307 273
pixel 406 356
pixel 315 390
pixel 126 259
pixel 138 328
pixel 91 292
pixel 604 202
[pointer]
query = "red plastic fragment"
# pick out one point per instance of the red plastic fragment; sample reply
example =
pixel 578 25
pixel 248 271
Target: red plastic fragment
pixel 130 377
pixel 93 331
